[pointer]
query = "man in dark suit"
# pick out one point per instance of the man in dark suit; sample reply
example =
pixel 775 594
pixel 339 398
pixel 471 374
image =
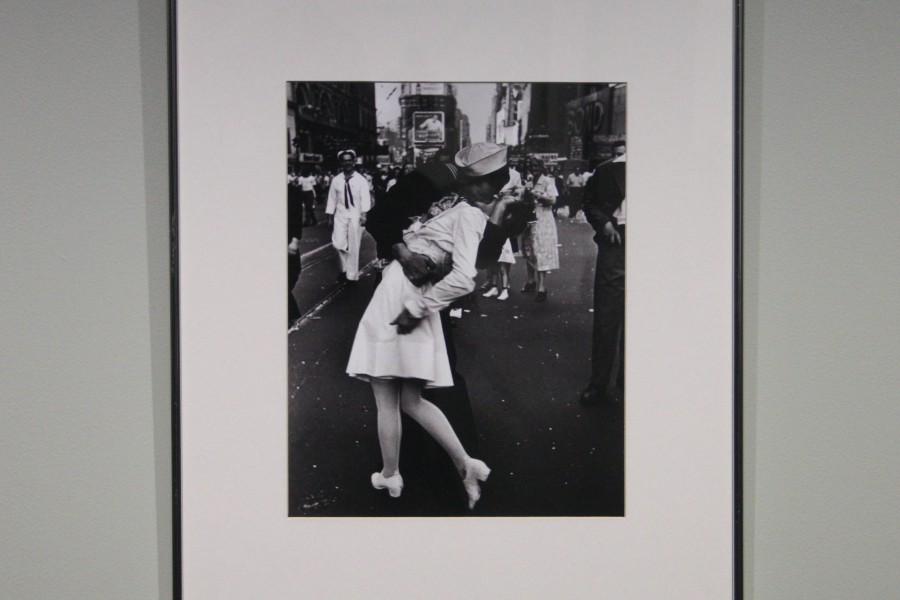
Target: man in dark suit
pixel 604 207
pixel 295 232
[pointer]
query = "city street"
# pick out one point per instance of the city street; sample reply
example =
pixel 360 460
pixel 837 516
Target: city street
pixel 523 363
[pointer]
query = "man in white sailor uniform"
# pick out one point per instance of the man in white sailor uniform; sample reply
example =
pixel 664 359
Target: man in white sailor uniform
pixel 348 202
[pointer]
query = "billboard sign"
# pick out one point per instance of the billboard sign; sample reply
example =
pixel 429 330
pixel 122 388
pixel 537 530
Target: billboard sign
pixel 431 89
pixel 588 115
pixel 576 146
pixel 428 128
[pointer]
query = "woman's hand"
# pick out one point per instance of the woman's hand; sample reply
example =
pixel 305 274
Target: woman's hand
pixel 405 322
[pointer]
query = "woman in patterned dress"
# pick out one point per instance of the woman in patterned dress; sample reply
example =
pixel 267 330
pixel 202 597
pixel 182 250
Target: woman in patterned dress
pixel 540 239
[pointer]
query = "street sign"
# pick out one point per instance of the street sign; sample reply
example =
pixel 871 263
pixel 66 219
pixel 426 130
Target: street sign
pixel 548 158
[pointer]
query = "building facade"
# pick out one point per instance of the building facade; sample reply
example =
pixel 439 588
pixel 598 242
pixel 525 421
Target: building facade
pixel 595 119
pixel 511 113
pixel 560 123
pixel 462 121
pixel 428 120
pixel 324 118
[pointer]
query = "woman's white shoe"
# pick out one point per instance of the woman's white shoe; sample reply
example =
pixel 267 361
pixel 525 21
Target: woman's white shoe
pixel 504 294
pixel 393 484
pixel 491 293
pixel 476 471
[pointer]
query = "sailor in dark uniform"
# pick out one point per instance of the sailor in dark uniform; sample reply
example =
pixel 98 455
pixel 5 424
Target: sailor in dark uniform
pixel 605 209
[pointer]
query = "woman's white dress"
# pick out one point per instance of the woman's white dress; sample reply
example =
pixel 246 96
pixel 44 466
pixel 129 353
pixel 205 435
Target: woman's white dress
pixel 506 254
pixel 378 350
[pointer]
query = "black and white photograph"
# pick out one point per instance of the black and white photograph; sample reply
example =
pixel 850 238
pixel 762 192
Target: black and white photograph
pixel 463 371
pixel 456 299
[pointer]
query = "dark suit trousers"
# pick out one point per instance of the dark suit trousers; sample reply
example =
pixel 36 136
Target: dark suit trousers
pixel 575 198
pixel 309 210
pixel 609 315
pixel 293 274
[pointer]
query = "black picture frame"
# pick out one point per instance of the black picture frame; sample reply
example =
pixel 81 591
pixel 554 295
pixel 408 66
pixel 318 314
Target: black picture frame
pixel 176 389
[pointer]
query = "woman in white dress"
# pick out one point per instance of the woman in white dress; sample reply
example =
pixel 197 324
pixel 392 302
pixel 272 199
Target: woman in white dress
pixel 399 346
pixel 497 284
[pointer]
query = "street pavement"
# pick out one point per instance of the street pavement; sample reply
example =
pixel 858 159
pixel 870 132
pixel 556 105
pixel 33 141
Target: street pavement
pixel 523 364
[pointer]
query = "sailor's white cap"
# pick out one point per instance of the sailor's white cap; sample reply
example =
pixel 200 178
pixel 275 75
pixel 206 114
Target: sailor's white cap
pixel 482 158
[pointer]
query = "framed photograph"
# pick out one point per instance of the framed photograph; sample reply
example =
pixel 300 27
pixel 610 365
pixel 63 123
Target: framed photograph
pixel 440 409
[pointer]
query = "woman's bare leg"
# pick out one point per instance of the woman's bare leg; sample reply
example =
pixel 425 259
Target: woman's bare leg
pixel 504 275
pixel 432 420
pixel 387 400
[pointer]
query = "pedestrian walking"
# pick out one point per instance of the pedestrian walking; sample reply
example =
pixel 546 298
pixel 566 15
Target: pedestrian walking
pixel 515 174
pixel 348 202
pixel 605 208
pixel 295 233
pixel 307 183
pixel 540 239
pixel 497 284
pixel 399 346
pixel 575 187
pixel 393 174
pixel 324 181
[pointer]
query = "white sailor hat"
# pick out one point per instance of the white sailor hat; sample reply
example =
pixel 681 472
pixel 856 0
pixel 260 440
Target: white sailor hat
pixel 482 158
pixel 341 154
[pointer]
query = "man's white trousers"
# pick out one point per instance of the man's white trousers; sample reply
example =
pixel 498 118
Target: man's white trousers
pixel 346 238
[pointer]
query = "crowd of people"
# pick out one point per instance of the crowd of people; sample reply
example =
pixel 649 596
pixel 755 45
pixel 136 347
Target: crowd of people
pixel 435 227
pixel 310 184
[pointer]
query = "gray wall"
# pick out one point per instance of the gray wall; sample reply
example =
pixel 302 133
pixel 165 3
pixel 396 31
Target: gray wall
pixel 84 418
pixel 821 314
pixel 84 406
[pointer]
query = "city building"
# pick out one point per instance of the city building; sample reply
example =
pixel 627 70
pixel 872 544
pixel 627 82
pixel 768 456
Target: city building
pixel 324 118
pixel 595 120
pixel 511 112
pixel 428 120
pixel 565 124
pixel 462 121
pixel 391 147
pixel 545 136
